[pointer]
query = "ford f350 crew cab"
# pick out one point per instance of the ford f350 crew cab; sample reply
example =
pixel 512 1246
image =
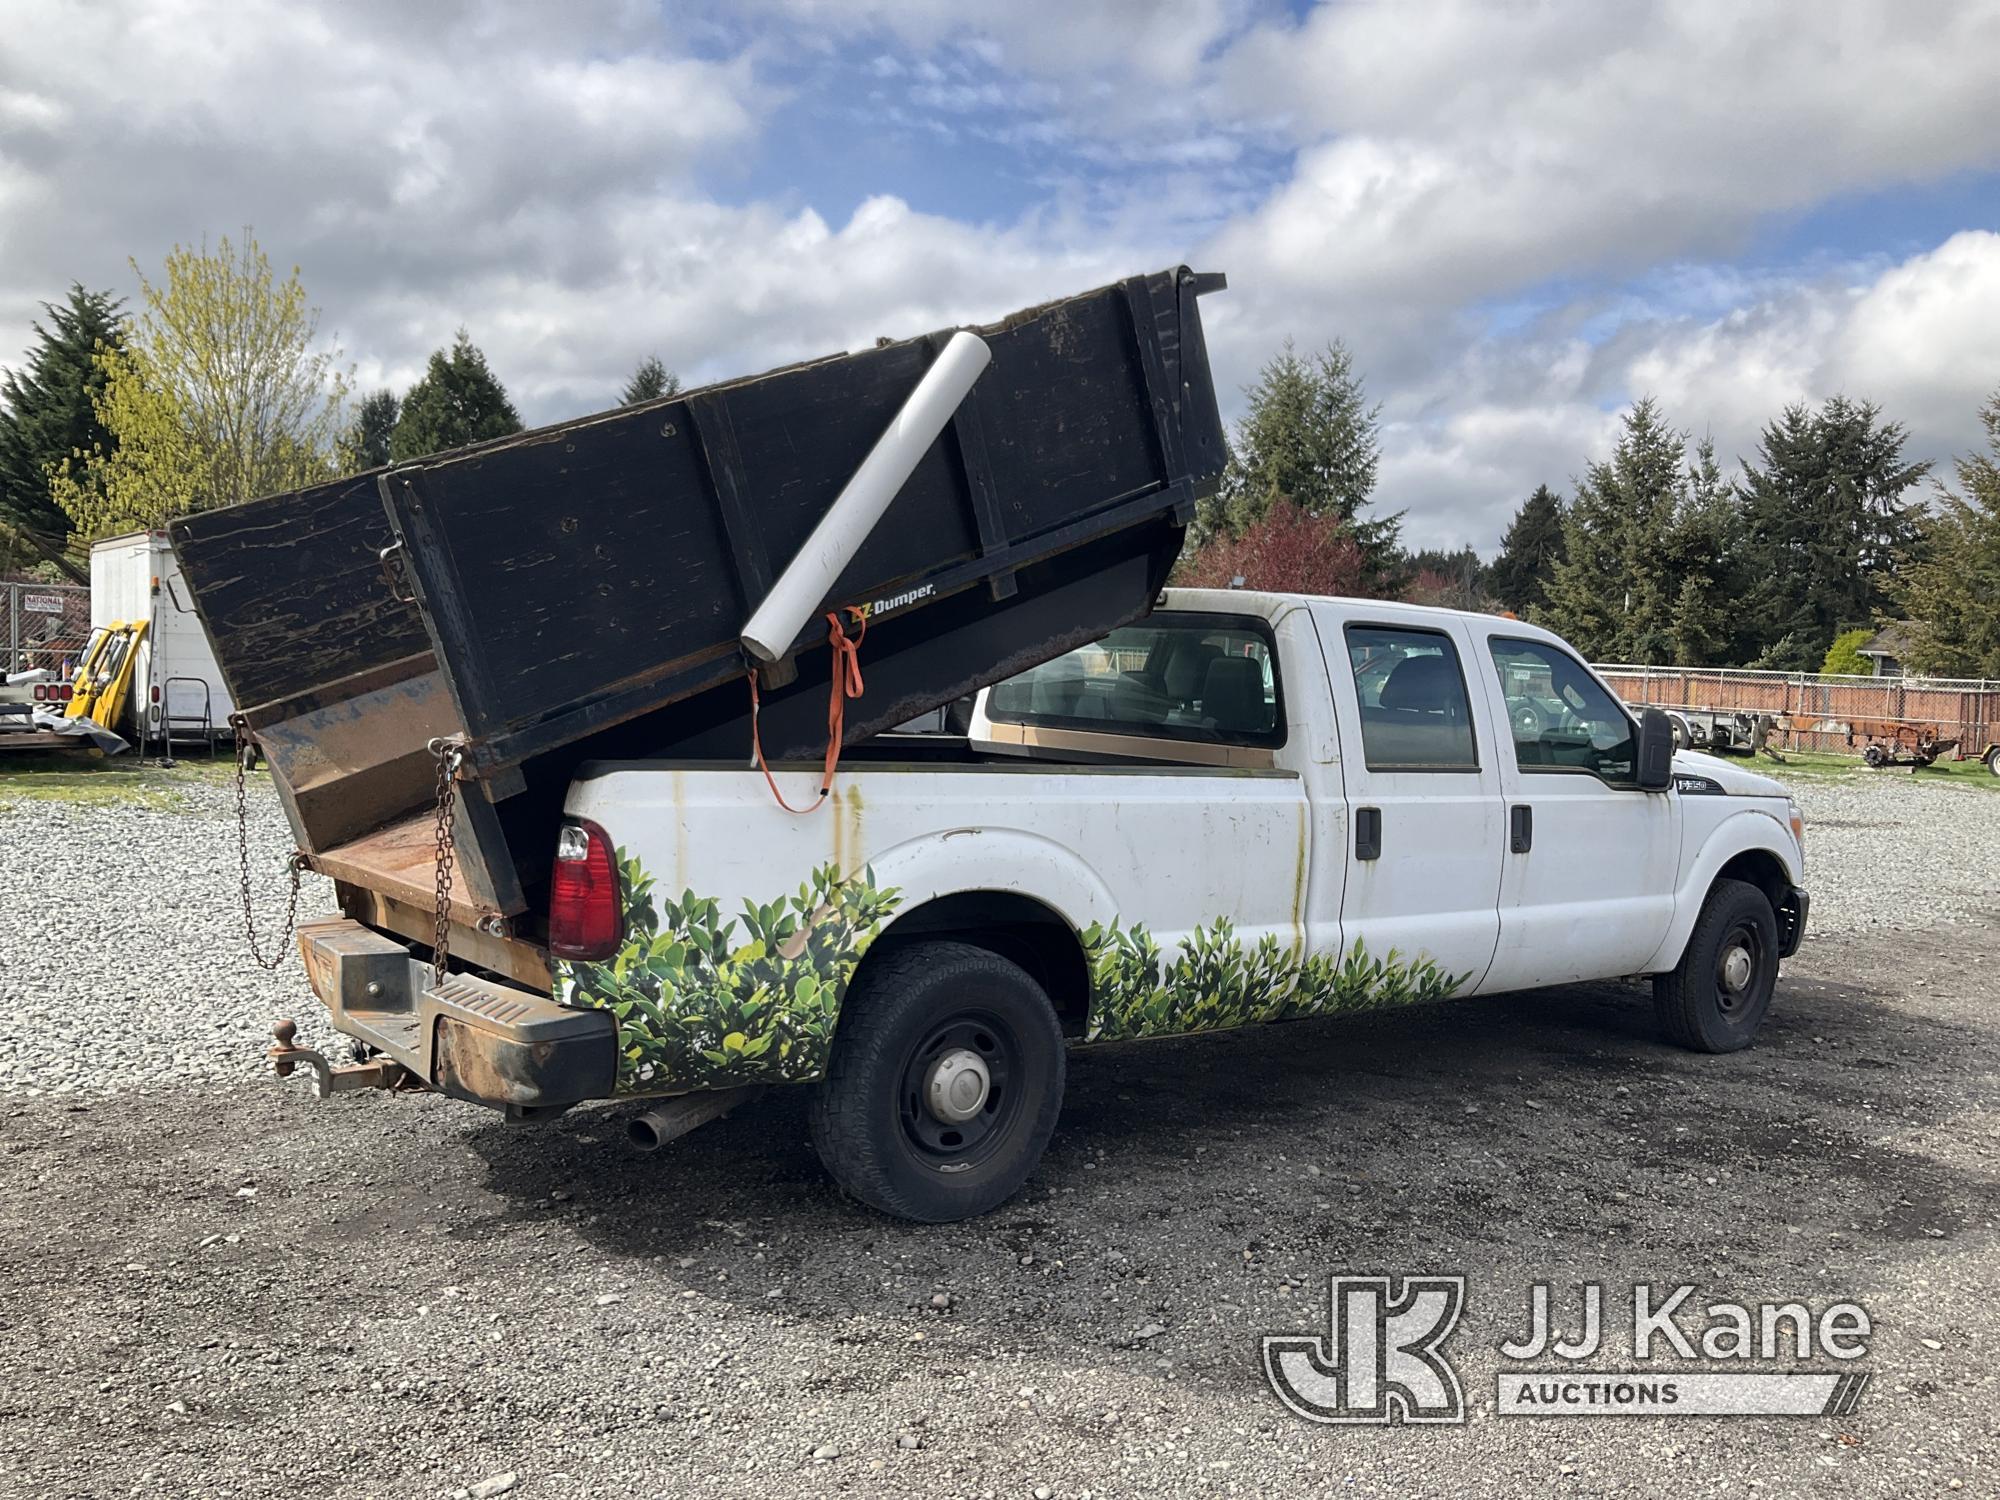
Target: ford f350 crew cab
pixel 1243 809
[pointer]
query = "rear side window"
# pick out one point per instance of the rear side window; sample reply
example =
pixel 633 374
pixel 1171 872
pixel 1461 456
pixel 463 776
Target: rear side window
pixel 1415 715
pixel 1174 676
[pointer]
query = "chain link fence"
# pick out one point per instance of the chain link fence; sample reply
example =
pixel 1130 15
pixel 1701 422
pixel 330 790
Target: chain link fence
pixel 43 625
pixel 1816 709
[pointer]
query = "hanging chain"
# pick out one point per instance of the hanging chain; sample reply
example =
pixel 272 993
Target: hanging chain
pixel 245 749
pixel 449 755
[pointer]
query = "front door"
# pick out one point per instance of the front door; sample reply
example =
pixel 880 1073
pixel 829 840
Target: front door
pixel 1424 815
pixel 1587 888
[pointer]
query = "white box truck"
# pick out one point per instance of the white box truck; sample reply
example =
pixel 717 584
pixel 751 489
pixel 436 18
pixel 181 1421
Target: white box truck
pixel 177 694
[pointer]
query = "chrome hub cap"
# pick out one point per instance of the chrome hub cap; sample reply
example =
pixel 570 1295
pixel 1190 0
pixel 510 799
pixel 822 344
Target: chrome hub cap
pixel 1736 968
pixel 957 1086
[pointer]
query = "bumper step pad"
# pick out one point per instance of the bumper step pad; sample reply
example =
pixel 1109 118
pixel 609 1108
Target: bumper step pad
pixel 470 1037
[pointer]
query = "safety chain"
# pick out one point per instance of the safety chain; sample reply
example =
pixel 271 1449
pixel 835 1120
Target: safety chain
pixel 450 754
pixel 245 751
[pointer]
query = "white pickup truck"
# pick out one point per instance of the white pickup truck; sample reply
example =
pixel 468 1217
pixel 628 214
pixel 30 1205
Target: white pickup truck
pixel 1245 808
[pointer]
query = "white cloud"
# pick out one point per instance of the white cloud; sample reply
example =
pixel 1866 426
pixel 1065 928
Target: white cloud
pixel 1914 337
pixel 1518 216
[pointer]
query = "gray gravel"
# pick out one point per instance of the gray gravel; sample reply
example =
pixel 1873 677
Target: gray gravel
pixel 211 1283
pixel 122 960
pixel 1890 849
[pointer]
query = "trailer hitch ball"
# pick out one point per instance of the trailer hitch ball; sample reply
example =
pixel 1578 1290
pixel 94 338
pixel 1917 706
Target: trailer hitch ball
pixel 283 1053
pixel 286 1055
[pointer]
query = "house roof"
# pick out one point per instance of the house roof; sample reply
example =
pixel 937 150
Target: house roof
pixel 1892 639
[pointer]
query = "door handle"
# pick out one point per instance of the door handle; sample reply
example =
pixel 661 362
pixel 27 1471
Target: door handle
pixel 1367 833
pixel 1521 828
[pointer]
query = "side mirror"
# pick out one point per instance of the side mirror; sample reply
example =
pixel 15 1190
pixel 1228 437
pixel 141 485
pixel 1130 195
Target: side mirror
pixel 1656 751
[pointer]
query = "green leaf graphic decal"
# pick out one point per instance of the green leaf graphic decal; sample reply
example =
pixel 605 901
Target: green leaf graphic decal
pixel 1215 982
pixel 702 1006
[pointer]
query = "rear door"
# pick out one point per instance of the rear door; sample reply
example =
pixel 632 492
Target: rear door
pixel 1425 818
pixel 1587 890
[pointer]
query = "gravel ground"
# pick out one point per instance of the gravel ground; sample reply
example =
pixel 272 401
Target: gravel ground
pixel 212 1284
pixel 1893 850
pixel 172 992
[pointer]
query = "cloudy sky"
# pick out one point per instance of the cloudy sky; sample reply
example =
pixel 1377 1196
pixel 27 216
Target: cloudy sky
pixel 1519 216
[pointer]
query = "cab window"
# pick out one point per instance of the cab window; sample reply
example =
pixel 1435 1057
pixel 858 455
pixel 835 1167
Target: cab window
pixel 1175 676
pixel 1561 719
pixel 1414 712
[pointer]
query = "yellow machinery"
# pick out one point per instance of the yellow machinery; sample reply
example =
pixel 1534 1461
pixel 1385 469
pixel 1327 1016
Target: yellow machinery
pixel 105 676
pixel 86 671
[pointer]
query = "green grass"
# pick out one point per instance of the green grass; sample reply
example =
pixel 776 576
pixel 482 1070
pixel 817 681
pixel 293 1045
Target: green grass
pixel 1823 766
pixel 84 780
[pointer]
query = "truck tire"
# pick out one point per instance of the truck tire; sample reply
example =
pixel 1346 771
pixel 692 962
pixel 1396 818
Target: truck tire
pixel 1993 760
pixel 1716 996
pixel 944 1086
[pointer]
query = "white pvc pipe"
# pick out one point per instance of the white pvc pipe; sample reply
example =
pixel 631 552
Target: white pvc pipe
pixel 841 531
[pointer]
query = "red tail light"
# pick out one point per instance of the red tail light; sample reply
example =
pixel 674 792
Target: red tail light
pixel 586 916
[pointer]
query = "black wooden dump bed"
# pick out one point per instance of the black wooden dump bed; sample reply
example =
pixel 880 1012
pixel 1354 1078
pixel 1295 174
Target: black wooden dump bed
pixel 579 591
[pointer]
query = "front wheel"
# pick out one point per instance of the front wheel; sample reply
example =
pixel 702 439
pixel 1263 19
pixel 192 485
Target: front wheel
pixel 1716 996
pixel 1993 760
pixel 945 1083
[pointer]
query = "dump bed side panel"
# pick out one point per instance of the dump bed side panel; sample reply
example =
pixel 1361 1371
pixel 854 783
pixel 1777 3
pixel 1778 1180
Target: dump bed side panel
pixel 582 576
pixel 291 590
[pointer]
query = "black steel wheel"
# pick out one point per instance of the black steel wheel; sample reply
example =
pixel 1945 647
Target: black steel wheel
pixel 1716 996
pixel 958 1099
pixel 945 1082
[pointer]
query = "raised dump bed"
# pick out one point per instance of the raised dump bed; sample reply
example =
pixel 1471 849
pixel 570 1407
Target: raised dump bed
pixel 582 591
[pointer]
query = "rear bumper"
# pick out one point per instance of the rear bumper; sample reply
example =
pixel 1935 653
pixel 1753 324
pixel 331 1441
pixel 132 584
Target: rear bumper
pixel 1792 921
pixel 468 1037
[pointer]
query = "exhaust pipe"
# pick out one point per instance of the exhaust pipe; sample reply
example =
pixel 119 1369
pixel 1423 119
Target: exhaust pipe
pixel 674 1118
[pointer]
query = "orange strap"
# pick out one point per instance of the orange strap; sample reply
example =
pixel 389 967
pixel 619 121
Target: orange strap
pixel 846 684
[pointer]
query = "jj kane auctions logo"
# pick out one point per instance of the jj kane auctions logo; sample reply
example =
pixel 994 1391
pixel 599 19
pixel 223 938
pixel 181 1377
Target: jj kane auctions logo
pixel 1382 1357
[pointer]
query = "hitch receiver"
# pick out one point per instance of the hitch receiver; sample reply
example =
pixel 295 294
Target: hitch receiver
pixel 286 1054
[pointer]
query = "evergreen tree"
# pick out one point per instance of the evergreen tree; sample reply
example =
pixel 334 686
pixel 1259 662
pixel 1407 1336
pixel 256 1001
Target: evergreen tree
pixel 1614 594
pixel 1519 577
pixel 1703 544
pixel 649 382
pixel 1310 437
pixel 1951 594
pixel 48 413
pixel 366 444
pixel 1648 568
pixel 458 401
pixel 1826 526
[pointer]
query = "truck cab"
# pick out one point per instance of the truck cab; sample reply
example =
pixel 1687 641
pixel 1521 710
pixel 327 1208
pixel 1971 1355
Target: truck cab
pixel 1479 783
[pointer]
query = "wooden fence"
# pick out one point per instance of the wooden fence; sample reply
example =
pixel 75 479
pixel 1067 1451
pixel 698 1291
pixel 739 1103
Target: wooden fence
pixel 1816 705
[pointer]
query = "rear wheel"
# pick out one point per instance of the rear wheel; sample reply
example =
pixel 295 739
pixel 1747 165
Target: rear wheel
pixel 945 1083
pixel 1716 996
pixel 1993 760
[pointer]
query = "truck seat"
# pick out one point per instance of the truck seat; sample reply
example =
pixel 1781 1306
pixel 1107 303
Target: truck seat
pixel 1232 696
